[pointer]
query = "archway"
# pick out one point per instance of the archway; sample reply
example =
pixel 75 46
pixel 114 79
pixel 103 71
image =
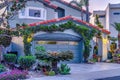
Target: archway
pixel 61 41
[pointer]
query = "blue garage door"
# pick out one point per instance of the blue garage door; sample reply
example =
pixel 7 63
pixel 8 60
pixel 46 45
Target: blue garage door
pixel 73 46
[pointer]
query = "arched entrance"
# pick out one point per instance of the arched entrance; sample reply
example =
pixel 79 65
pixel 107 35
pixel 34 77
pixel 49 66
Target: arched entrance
pixel 60 41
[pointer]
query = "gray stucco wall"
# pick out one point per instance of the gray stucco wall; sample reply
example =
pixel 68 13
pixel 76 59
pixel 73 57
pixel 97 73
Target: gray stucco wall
pixel 17 45
pixel 113 19
pixel 50 14
pixel 70 11
pixel 92 43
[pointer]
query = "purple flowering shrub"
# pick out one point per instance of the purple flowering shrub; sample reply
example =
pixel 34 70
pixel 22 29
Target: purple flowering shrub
pixel 13 75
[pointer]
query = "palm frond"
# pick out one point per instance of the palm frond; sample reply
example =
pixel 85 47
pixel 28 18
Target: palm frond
pixel 77 4
pixel 116 26
pixel 113 39
pixel 84 2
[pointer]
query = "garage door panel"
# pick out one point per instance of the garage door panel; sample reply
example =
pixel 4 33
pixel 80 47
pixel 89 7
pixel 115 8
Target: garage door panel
pixel 74 48
pixel 63 46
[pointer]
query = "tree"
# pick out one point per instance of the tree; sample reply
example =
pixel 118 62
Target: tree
pixel 117 27
pixel 97 21
pixel 5 40
pixel 86 4
pixel 6 15
pixel 80 4
pixel 113 39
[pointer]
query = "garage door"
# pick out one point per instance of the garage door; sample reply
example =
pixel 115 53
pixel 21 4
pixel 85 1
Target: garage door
pixel 73 46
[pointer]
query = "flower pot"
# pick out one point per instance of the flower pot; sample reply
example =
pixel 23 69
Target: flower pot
pixel 99 59
pixel 46 73
pixel 118 62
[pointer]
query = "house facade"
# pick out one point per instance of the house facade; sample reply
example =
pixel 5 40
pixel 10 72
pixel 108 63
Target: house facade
pixel 108 17
pixel 48 12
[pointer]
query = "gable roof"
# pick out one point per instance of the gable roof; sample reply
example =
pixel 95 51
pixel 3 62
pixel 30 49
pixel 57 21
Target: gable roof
pixel 70 5
pixel 69 18
pixel 48 2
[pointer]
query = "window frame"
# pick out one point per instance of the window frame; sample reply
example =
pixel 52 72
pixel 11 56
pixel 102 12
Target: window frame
pixel 116 13
pixel 69 43
pixel 26 12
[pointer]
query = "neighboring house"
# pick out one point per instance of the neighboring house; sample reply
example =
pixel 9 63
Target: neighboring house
pixel 108 17
pixel 48 12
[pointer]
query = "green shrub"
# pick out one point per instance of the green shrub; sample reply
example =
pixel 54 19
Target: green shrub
pixel 40 49
pixel 55 56
pixel 2 68
pixel 10 58
pixel 66 55
pixel 64 69
pixel 92 61
pixel 26 61
pixel 51 73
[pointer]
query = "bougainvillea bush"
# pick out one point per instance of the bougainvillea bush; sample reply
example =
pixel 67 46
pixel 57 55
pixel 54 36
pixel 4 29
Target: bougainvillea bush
pixel 13 75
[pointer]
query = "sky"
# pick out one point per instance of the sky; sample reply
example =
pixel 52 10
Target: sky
pixel 100 4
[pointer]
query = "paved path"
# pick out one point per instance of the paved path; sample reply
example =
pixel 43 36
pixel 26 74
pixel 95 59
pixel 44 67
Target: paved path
pixel 52 78
pixel 110 78
pixel 87 72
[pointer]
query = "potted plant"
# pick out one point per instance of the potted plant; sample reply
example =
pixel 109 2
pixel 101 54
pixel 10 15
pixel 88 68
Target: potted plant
pixel 51 73
pixel 99 58
pixel 115 57
pixel 118 58
pixel 92 61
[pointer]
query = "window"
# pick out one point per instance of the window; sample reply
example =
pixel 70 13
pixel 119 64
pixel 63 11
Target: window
pixel 33 13
pixel 57 42
pixel 116 13
pixel 101 16
pixel 61 12
pixel 56 14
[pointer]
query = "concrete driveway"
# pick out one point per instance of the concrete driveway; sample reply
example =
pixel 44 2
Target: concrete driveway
pixel 87 72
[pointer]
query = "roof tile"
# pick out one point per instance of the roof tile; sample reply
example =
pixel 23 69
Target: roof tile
pixel 67 18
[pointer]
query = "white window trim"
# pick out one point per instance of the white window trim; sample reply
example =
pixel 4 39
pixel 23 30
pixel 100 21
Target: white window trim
pixel 26 16
pixel 56 14
pixel 20 13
